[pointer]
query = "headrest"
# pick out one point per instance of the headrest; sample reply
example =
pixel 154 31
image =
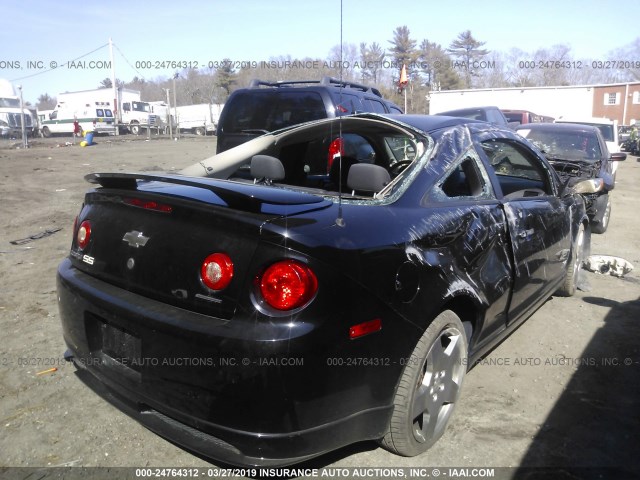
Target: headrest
pixel 267 167
pixel 367 177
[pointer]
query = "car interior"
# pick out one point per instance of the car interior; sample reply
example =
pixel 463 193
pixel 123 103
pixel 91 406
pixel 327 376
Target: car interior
pixel 362 164
pixel 518 176
pixel 327 162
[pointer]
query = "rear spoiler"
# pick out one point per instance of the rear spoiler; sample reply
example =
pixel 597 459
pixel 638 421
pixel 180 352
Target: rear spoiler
pixel 247 197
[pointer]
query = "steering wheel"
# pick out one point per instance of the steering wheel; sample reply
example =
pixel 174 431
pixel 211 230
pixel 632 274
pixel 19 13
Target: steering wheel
pixel 504 167
pixel 398 167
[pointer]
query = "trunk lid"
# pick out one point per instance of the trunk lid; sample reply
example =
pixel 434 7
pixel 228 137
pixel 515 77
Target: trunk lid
pixel 150 234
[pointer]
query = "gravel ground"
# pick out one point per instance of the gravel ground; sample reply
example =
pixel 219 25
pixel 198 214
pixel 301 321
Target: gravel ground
pixel 562 391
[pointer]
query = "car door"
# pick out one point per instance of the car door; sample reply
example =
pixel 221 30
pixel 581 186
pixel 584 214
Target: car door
pixel 538 222
pixel 471 222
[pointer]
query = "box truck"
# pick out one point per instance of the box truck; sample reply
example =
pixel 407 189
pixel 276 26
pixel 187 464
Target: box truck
pixel 201 119
pixel 11 116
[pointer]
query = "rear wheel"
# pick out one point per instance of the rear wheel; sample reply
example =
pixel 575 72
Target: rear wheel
pixel 574 266
pixel 46 132
pixel 429 387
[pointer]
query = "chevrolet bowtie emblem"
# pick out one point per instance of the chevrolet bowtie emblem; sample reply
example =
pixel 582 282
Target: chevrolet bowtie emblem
pixel 135 239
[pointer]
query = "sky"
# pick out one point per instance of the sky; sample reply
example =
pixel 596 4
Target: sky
pixel 38 34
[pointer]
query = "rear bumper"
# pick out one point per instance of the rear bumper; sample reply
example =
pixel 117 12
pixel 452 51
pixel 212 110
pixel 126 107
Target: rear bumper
pixel 232 446
pixel 239 413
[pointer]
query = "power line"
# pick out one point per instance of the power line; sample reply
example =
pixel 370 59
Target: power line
pixel 128 62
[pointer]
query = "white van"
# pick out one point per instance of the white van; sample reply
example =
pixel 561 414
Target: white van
pixel 94 117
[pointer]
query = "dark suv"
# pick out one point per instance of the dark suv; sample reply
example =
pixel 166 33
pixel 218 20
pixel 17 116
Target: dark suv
pixel 268 106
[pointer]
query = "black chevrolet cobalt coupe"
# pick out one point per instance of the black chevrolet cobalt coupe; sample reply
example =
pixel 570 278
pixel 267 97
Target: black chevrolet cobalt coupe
pixel 317 286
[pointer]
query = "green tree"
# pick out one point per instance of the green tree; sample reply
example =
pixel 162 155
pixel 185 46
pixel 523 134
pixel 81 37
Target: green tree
pixel 45 102
pixel 225 78
pixel 371 58
pixel 435 67
pixel 403 52
pixel 106 83
pixel 467 50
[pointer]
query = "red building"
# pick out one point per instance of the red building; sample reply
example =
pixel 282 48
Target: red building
pixel 618 101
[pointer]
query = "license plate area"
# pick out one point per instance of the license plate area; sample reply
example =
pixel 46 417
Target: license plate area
pixel 121 346
pixel 116 348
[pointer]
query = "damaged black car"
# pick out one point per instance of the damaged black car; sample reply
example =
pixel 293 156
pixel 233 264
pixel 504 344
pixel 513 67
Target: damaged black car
pixel 317 286
pixel 579 152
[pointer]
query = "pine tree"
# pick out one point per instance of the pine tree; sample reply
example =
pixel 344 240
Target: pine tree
pixel 467 50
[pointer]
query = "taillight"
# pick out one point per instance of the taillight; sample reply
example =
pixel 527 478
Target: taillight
pixel 148 205
pixel 336 149
pixel 84 235
pixel 287 285
pixel 217 271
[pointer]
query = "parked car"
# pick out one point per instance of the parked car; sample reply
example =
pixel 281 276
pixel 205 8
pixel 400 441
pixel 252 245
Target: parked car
pixel 608 129
pixel 624 133
pixel 268 106
pixel 522 117
pixel 259 310
pixel 579 152
pixel 628 143
pixel 486 114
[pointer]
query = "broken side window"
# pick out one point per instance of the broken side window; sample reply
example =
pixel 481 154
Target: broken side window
pixel 466 180
pixel 519 172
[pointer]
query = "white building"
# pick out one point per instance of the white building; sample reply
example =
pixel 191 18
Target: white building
pixel 618 101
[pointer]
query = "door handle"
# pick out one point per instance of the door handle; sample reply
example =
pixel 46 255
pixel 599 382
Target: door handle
pixel 525 233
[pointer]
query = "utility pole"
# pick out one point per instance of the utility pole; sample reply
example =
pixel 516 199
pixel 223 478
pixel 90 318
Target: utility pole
pixel 116 107
pixel 25 142
pixel 175 104
pixel 169 112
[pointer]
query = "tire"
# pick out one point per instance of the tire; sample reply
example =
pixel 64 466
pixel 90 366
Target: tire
pixel 603 224
pixel 200 131
pixel 429 387
pixel 135 128
pixel 574 266
pixel 46 133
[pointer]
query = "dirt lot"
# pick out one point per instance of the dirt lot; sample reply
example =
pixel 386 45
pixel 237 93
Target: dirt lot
pixel 562 391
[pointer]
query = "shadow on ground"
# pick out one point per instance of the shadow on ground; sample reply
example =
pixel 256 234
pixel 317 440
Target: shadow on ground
pixel 594 429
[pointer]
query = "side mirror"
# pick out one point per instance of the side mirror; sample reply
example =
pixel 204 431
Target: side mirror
pixel 618 157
